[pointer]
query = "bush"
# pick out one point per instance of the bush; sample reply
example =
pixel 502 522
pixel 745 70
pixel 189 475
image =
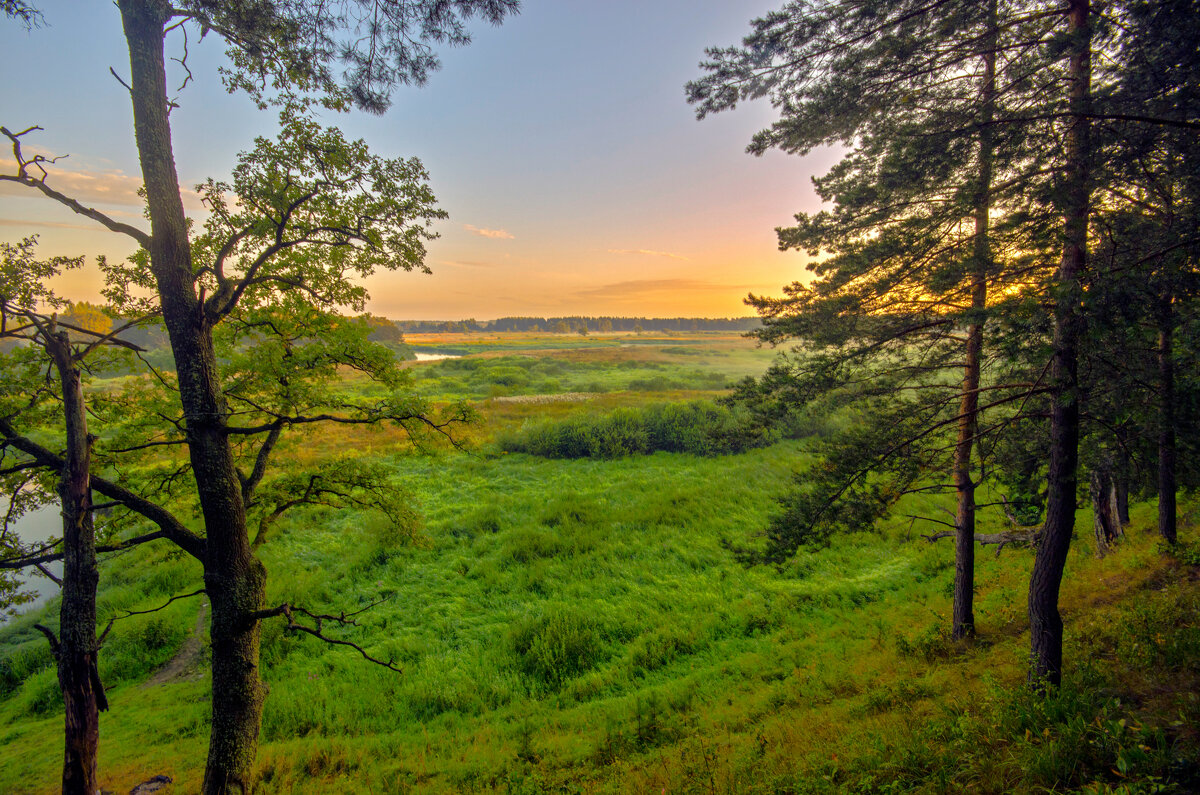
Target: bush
pixel 695 427
pixel 41 695
pixel 22 663
pixel 557 646
pixel 140 648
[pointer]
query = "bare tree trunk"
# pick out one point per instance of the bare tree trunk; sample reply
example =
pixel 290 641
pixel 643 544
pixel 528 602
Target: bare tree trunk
pixel 83 696
pixel 1166 419
pixel 1121 481
pixel 968 416
pixel 233 576
pixel 1106 522
pixel 1045 623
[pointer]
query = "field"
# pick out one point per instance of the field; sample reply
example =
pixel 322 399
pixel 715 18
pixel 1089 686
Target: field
pixel 578 624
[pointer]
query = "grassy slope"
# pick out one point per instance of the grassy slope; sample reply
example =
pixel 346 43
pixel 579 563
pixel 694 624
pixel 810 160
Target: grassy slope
pixel 577 626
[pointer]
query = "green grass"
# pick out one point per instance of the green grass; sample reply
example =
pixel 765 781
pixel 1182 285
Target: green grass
pixel 580 626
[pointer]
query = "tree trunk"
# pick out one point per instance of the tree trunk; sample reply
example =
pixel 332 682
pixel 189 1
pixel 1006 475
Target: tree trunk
pixel 1166 419
pixel 83 696
pixel 968 416
pixel 233 576
pixel 1045 623
pixel 1106 522
pixel 1121 481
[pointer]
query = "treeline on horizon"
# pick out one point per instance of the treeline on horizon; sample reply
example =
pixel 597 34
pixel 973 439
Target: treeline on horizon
pixel 576 324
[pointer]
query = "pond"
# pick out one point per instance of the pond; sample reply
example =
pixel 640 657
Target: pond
pixel 34 527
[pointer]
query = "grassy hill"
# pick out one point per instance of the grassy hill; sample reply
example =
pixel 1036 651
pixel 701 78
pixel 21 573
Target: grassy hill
pixel 579 626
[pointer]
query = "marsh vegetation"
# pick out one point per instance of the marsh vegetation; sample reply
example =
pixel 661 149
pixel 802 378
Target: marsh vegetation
pixel 577 622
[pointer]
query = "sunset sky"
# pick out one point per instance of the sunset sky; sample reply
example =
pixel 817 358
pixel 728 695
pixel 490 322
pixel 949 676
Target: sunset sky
pixel 575 174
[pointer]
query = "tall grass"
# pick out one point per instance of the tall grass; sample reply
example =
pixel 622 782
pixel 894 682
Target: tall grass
pixel 578 625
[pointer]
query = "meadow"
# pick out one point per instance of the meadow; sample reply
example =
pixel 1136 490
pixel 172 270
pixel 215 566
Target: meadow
pixel 569 618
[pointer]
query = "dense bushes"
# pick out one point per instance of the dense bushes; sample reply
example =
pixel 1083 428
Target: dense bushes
pixel 694 427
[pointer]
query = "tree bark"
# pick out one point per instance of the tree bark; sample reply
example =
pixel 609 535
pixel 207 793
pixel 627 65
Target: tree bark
pixel 1045 623
pixel 1121 480
pixel 1106 522
pixel 963 622
pixel 76 652
pixel 1166 419
pixel 234 578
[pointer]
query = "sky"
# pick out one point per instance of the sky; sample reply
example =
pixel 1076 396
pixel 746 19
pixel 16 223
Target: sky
pixel 576 177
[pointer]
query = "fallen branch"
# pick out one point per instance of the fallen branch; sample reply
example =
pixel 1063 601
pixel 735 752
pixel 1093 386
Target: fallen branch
pixel 1023 537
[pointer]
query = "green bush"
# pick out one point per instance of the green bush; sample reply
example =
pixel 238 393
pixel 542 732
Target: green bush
pixel 21 663
pixel 694 427
pixel 141 647
pixel 659 648
pixel 557 646
pixel 41 695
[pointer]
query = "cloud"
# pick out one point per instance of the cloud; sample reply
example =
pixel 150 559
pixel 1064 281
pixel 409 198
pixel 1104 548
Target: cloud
pixel 89 186
pixel 48 225
pixel 495 234
pixel 465 263
pixel 642 287
pixel 647 253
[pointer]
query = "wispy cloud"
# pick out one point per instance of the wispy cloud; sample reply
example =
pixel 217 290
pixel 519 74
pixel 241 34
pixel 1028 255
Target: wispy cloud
pixel 111 187
pixel 646 252
pixel 46 225
pixel 464 263
pixel 496 234
pixel 638 288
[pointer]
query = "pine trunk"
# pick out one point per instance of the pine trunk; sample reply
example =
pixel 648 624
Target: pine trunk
pixel 83 696
pixel 1121 482
pixel 1166 430
pixel 1106 521
pixel 1045 623
pixel 233 576
pixel 968 416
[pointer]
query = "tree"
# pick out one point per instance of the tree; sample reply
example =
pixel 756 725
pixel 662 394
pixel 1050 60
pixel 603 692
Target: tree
pixel 913 255
pixel 885 79
pixel 32 398
pixel 310 191
pixel 1149 234
pixel 295 45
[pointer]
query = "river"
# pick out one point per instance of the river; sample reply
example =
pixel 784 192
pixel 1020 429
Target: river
pixel 35 527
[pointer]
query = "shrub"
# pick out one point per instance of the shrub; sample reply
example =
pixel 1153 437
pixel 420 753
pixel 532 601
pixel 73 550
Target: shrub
pixel 695 427
pixel 557 646
pixel 22 663
pixel 137 650
pixel 659 648
pixel 41 694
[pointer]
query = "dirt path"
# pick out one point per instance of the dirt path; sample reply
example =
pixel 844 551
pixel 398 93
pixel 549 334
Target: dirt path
pixel 186 662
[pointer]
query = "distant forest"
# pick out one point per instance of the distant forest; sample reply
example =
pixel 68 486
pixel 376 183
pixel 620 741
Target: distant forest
pixel 153 337
pixel 584 325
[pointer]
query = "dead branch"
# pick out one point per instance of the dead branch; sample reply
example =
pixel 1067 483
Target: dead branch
pixel 130 613
pixel 345 619
pixel 49 575
pixel 1021 538
pixel 51 637
pixel 23 177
